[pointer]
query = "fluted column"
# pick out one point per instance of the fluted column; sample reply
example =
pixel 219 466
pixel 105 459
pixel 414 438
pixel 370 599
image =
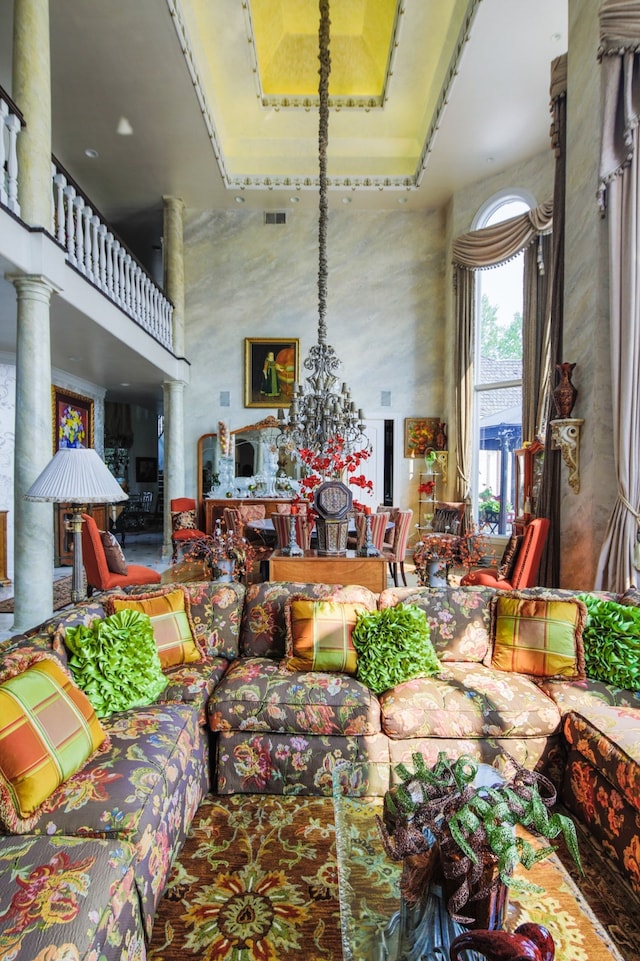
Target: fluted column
pixel 174 480
pixel 32 94
pixel 174 266
pixel 33 522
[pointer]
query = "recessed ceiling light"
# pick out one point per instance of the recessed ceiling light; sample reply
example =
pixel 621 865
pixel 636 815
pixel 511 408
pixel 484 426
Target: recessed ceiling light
pixel 124 128
pixel 556 37
pixel 403 200
pixel 346 200
pixel 125 383
pixel 490 160
pixel 239 200
pixel 294 200
pixel 90 152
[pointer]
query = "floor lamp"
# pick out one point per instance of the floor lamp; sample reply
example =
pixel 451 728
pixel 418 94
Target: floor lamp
pixel 78 477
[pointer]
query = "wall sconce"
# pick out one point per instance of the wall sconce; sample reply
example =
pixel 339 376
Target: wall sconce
pixel 565 435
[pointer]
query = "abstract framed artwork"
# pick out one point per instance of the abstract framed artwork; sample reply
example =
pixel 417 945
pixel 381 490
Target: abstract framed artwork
pixel 420 433
pixel 72 419
pixel 271 368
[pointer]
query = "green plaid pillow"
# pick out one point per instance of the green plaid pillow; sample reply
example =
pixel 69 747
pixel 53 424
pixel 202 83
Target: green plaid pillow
pixel 538 636
pixel 321 636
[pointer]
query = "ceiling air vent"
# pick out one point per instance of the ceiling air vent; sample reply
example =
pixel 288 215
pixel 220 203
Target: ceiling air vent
pixel 275 217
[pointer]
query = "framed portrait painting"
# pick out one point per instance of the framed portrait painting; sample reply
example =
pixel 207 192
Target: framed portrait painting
pixel 271 368
pixel 72 419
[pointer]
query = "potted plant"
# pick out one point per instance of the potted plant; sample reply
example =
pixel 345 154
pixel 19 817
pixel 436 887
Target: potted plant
pixel 438 553
pixel 455 823
pixel 226 554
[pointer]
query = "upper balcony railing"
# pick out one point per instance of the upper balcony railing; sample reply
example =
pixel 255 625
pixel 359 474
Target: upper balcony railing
pixel 91 246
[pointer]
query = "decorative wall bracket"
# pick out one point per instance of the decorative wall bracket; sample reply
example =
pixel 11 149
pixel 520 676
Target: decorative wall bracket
pixel 442 460
pixel 565 435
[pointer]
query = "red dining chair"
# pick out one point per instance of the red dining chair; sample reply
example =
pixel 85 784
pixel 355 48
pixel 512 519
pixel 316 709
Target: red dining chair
pixel 184 524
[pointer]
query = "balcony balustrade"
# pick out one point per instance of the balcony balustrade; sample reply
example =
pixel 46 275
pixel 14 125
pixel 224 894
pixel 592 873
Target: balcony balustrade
pixel 91 247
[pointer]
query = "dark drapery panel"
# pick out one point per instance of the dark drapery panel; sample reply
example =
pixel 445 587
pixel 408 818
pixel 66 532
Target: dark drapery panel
pixel 549 495
pixel 118 431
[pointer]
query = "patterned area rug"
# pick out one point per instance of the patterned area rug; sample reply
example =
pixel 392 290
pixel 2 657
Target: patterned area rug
pixel 257 881
pixel 61 596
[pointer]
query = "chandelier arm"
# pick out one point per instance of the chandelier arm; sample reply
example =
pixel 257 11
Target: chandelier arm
pixel 324 56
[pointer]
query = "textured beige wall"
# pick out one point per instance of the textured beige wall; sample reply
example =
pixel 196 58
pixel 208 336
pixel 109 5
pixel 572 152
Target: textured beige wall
pixel 385 317
pixel 586 330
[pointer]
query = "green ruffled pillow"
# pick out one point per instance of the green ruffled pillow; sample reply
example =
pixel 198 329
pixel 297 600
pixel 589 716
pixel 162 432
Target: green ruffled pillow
pixel 393 646
pixel 612 642
pixel 115 661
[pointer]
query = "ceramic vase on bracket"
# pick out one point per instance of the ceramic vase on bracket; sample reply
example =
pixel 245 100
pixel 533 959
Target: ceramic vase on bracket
pixel 564 395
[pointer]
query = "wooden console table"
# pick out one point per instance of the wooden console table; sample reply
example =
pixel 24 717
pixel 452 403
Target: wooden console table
pixel 313 568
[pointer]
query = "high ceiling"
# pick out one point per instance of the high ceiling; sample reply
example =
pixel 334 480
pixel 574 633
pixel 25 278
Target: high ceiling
pixel 443 92
pixel 215 101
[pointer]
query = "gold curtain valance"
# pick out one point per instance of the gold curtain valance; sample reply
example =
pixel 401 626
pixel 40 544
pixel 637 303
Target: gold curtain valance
pixel 558 82
pixel 491 246
pixel 619 26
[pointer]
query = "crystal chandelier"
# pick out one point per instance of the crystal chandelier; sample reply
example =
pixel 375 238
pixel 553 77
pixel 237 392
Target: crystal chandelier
pixel 319 416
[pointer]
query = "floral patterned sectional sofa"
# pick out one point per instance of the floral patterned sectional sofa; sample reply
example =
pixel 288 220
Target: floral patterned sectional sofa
pixel 247 716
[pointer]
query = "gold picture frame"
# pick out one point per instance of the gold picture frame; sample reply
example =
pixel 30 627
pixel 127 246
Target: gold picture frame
pixel 420 433
pixel 271 368
pixel 72 416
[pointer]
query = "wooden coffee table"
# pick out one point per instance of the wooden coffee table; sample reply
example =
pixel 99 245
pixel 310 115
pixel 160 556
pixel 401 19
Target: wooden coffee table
pixel 368 883
pixel 313 568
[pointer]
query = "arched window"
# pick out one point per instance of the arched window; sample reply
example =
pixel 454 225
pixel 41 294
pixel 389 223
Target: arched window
pixel 497 387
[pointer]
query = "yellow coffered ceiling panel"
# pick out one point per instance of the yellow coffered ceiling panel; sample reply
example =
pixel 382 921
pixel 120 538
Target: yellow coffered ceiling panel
pixel 254 64
pixel 286 43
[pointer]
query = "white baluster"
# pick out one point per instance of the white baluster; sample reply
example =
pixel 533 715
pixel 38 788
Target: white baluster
pixel 69 196
pixel 129 282
pixel 102 256
pixel 4 113
pixel 122 274
pixel 12 124
pixel 95 248
pixel 138 290
pixel 110 285
pixel 87 214
pixel 59 183
pixel 135 292
pixel 78 204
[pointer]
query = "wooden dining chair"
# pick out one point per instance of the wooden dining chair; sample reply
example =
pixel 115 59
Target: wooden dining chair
pixel 396 553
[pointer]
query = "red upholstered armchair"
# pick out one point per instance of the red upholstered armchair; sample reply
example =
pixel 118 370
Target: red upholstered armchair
pixel 99 577
pixel 527 562
pixel 184 526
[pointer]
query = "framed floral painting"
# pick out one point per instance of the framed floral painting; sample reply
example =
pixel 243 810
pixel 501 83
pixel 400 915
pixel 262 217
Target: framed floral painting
pixel 420 433
pixel 72 419
pixel 271 368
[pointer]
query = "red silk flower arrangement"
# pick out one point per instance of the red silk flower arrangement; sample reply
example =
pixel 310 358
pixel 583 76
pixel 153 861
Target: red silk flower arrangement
pixel 333 463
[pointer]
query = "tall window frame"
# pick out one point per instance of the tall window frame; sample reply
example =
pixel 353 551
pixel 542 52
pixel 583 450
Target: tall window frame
pixel 493 483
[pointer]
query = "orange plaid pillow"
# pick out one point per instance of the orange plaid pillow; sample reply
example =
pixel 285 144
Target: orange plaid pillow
pixel 48 730
pixel 170 614
pixel 538 636
pixel 321 635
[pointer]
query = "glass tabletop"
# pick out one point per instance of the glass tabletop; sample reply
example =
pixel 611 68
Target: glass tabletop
pixel 373 917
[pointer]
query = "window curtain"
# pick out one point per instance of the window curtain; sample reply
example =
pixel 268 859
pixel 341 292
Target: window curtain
pixel 548 498
pixel 619 196
pixel 478 250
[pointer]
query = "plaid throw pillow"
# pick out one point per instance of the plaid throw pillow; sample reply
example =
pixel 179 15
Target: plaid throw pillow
pixel 321 635
pixel 538 636
pixel 48 730
pixel 169 611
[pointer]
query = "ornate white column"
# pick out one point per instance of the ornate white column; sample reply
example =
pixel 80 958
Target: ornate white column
pixel 32 93
pixel 33 522
pixel 174 266
pixel 174 480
